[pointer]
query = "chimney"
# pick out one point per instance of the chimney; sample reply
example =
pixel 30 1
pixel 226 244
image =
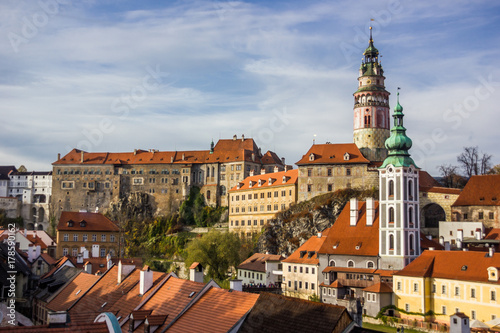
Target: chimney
pixel 478 234
pixel 236 285
pixel 58 156
pixel 276 168
pixel 88 267
pixel 243 137
pixel 370 211
pixel 491 251
pixel 441 240
pixel 81 157
pixel 171 159
pixel 183 156
pixel 95 250
pixel 460 238
pixel 429 237
pixel 431 248
pixel 196 272
pixel 25 232
pixel 109 263
pixel 283 160
pixel 79 258
pixel 84 252
pixel 263 171
pixel 31 253
pixel 253 157
pixel 235 137
pixel 123 271
pixel 146 280
pixel 320 234
pixel 135 152
pixel 354 212
pixel 251 172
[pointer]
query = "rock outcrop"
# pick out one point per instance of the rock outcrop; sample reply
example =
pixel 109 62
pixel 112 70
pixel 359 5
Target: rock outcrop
pixel 291 228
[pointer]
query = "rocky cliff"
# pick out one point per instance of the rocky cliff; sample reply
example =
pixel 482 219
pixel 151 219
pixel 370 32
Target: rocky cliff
pixel 291 228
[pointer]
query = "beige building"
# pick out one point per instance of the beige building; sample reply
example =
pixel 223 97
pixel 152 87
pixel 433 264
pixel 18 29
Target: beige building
pixel 256 200
pixel 90 181
pixel 93 231
pixel 329 167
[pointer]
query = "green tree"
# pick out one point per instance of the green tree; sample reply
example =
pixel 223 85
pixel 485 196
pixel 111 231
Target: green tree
pixel 216 251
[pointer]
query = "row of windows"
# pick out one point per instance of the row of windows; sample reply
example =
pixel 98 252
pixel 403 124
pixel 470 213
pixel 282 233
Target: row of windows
pixel 251 275
pixel 350 263
pixel 269 194
pixel 298 285
pixel 74 252
pixel 319 187
pixel 263 208
pixel 329 172
pixel 112 238
pixel 302 269
pixel 457 290
pixel 249 222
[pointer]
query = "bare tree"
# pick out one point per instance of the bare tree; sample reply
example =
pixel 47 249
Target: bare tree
pixel 468 160
pixel 449 174
pixel 485 164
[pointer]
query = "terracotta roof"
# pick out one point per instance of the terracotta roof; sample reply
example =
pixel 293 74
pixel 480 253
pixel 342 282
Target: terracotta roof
pixel 453 265
pixel 93 222
pixel 425 180
pixel 308 252
pixel 194 265
pixel 480 191
pixel 426 243
pixel 99 264
pixel 257 262
pixel 276 178
pixel 493 233
pixel 37 241
pixel 333 154
pixel 229 308
pixel 271 158
pixel 89 327
pixel 437 189
pixel 59 263
pixel 381 287
pixel 334 284
pixel 48 259
pixel 359 240
pixel 276 313
pixel 63 300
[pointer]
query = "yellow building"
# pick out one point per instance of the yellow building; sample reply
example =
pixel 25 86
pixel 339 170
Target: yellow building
pixel 447 282
pixel 94 231
pixel 256 200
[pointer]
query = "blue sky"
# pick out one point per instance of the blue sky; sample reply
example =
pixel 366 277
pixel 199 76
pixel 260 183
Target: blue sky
pixel 119 75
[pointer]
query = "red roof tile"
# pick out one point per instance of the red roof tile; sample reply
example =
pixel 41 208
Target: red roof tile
pixel 425 180
pixel 480 191
pixel 333 154
pixel 493 233
pixel 257 262
pixel 453 265
pixel 381 287
pixel 308 252
pixel 276 178
pixel 92 222
pixel 73 290
pixel 353 240
pixel 230 307
pixel 444 190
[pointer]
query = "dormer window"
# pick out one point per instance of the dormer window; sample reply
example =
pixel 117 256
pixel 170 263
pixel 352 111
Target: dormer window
pixel 492 274
pixel 302 254
pixel 358 246
pixel 284 179
pixel 83 223
pixel 250 183
pixel 310 254
pixel 270 181
pixel 311 157
pixel 260 182
pixel 70 223
pixel 347 156
pixel 336 245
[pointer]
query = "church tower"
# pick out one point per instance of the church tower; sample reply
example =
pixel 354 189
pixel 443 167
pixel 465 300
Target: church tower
pixel 371 107
pixel 399 229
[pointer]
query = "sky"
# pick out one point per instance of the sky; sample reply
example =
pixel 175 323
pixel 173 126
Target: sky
pixel 116 76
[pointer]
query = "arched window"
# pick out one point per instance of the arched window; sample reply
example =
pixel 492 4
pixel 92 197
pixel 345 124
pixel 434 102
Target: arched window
pixel 391 187
pixel 410 189
pixel 391 242
pixel 410 215
pixel 208 195
pixel 370 264
pixel 412 243
pixel 368 120
pixel 350 263
pixel 208 172
pixel 332 263
pixel 391 215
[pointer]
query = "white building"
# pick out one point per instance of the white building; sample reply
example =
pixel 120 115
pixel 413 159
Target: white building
pixel 265 269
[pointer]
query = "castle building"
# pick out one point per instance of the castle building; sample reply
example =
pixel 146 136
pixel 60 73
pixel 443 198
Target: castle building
pixel 371 107
pixel 256 199
pixel 91 181
pixel 399 199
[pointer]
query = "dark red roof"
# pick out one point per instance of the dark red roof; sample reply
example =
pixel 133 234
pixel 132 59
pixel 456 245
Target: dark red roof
pixel 333 154
pixel 85 222
pixel 257 262
pixel 480 191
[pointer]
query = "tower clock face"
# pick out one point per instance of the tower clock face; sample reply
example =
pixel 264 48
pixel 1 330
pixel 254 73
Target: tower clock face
pixel 368 81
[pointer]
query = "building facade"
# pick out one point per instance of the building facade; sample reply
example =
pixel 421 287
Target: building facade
pixel 90 181
pixel 256 199
pixel 261 269
pixel 92 231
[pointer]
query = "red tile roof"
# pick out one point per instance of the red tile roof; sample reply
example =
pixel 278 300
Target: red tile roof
pixel 94 222
pixel 271 158
pixel 333 154
pixel 229 308
pixel 425 180
pixel 444 190
pixel 359 240
pixel 480 191
pixel 453 265
pixel 257 262
pixel 276 178
pixel 493 233
pixel 334 284
pixel 426 244
pixel 308 252
pixel 48 259
pixel 70 294
pixel 381 287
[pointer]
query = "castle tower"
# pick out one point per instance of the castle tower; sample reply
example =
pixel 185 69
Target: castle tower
pixel 399 231
pixel 371 107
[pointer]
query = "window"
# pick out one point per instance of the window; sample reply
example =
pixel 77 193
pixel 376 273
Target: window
pixel 415 287
pixel 306 285
pixel 75 237
pixel 329 171
pixel 65 237
pixel 443 310
pixel 269 194
pixel 309 187
pixel 309 172
pixel 94 238
pixel 370 264
pixel 289 284
pixel 348 172
pixel 433 288
pixel 84 237
pixel 443 289
pixel 65 251
pixel 103 252
pixel 391 188
pixel 391 215
pixel 112 238
pixel 300 284
pixel 493 295
pixel 407 307
pixel 350 263
pixel 74 252
pixel 103 238
pixel 473 314
pixel 300 269
pixel 312 286
pixel 473 293
pixel 312 272
pixel 391 242
pixel 457 291
pixel 295 269
pixel 481 215
pixel 307 271
pixel 491 215
pixel 289 268
pixel 399 285
pixel 330 187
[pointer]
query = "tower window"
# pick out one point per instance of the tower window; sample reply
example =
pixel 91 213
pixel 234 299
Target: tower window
pixel 367 121
pixel 391 215
pixel 391 242
pixel 391 187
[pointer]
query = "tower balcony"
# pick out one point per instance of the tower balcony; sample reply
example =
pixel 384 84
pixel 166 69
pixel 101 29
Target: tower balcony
pixel 371 103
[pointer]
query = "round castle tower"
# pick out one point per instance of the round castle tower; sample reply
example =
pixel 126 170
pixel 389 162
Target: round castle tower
pixel 371 107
